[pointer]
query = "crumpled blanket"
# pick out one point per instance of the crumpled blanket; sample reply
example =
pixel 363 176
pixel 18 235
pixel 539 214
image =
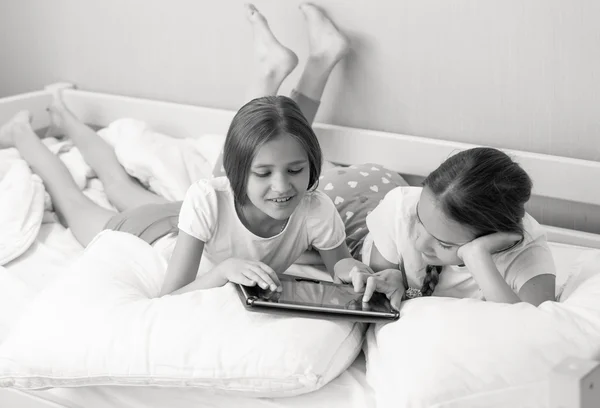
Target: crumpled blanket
pixel 164 164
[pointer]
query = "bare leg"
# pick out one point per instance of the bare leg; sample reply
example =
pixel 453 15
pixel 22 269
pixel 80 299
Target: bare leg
pixel 327 46
pixel 74 209
pixel 123 191
pixel 273 62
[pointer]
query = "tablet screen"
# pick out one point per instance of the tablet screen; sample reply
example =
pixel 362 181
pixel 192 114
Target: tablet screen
pixel 321 294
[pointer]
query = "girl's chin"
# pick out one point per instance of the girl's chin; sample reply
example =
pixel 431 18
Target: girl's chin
pixel 281 210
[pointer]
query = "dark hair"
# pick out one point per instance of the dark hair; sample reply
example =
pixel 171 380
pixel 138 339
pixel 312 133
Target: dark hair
pixel 257 122
pixel 483 189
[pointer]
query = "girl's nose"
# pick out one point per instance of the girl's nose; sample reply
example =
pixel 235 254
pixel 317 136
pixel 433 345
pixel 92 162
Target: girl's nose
pixel 280 183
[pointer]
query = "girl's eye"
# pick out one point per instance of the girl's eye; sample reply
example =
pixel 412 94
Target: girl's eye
pixel 296 171
pixel 445 246
pixel 262 174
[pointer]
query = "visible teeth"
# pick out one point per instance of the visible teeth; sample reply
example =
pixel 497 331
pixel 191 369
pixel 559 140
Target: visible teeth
pixel 281 200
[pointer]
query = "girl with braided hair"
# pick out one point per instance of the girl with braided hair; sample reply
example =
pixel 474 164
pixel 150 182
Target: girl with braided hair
pixel 467 228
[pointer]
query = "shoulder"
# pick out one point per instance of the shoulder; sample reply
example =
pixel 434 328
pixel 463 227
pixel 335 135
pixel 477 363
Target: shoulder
pixel 209 194
pixel 403 197
pixel 400 202
pixel 533 231
pixel 318 211
pixel 392 222
pixel 532 257
pixel 405 193
pixel 323 224
pixel 315 202
pixel 210 187
pixel 206 202
pixel 534 236
pixel 534 246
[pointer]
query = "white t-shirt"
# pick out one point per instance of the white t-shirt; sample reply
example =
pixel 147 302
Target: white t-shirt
pixel 392 228
pixel 208 214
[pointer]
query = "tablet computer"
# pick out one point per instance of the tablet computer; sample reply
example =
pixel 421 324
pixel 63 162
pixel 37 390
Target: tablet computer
pixel 317 299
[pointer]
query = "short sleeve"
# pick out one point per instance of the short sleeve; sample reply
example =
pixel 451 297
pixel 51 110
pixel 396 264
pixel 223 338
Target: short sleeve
pixel 383 225
pixel 199 211
pixel 324 224
pixel 533 261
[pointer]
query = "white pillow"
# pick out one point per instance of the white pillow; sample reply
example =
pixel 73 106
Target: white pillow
pixel 442 349
pixel 165 164
pixel 21 206
pixel 102 325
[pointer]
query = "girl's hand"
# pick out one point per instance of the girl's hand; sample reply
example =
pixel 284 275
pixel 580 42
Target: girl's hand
pixel 344 268
pixel 488 244
pixel 389 282
pixel 249 273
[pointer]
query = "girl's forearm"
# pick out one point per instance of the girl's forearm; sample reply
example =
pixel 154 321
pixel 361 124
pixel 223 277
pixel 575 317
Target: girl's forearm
pixel 490 281
pixel 209 280
pixel 175 281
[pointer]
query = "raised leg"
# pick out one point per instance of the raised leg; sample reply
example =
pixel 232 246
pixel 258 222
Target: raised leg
pixel 273 62
pixel 327 46
pixel 122 190
pixel 74 209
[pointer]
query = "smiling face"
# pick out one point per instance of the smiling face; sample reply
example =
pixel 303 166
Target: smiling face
pixel 437 236
pixel 278 179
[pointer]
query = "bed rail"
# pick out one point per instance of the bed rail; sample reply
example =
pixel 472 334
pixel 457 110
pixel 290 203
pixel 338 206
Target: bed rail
pixel 553 175
pixel 575 383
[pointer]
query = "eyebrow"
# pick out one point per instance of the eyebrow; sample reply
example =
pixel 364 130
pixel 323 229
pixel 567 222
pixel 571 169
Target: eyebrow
pixel 294 163
pixel 437 239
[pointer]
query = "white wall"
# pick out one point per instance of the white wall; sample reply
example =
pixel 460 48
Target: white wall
pixel 521 74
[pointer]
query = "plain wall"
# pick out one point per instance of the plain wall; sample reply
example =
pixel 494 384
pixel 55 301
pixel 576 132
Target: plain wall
pixel 521 74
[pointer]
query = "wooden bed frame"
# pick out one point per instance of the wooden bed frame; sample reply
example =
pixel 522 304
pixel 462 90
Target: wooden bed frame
pixel 574 383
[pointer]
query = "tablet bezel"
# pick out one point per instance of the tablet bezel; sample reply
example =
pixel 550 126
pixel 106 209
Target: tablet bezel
pixel 256 304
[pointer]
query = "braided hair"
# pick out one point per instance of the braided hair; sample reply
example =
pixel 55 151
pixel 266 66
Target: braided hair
pixel 432 277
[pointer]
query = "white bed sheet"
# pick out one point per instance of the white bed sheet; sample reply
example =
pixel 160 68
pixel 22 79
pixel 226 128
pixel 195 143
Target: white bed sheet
pixel 349 390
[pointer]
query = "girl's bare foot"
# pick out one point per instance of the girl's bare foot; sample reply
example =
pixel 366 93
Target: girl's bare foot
pixel 59 115
pixel 274 61
pixel 19 123
pixel 326 43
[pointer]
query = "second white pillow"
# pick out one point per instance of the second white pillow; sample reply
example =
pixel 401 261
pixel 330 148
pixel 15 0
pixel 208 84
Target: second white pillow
pixel 443 350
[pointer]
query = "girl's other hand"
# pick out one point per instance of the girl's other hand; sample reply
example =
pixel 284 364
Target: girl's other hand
pixel 389 282
pixel 488 244
pixel 249 273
